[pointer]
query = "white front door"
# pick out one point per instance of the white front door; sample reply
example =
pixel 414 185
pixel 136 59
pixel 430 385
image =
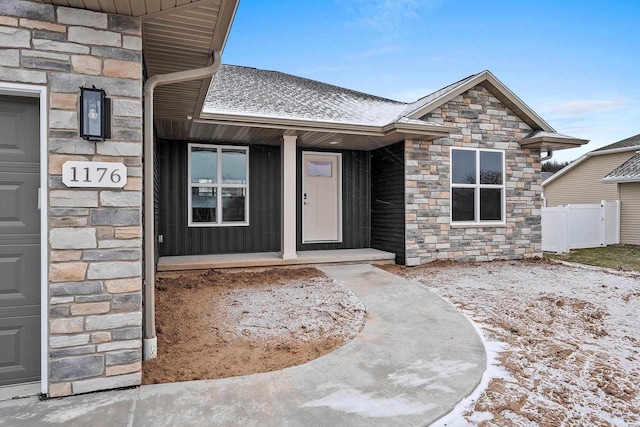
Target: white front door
pixel 321 208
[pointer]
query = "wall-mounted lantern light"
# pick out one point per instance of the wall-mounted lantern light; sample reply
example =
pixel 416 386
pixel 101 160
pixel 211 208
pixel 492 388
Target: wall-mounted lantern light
pixel 95 114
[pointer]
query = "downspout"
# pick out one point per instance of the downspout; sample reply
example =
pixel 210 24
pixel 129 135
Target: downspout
pixel 542 159
pixel 150 341
pixel 548 156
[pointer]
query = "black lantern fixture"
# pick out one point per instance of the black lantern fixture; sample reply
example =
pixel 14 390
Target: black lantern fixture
pixel 95 114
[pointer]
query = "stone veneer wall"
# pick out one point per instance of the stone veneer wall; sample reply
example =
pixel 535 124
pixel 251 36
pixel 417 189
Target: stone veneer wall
pixel 483 122
pixel 95 300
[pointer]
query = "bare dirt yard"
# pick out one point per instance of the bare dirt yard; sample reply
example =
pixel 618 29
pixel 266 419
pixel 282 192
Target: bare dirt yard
pixel 216 324
pixel 565 341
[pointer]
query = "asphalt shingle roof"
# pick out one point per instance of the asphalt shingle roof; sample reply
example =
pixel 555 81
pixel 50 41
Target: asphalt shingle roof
pixel 628 170
pixel 254 92
pixel 628 142
pixel 251 92
pixel 415 106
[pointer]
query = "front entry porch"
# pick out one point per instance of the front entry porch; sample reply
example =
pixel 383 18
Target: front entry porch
pixel 273 259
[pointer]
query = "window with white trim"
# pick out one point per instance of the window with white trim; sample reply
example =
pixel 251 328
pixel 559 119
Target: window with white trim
pixel 477 186
pixel 218 185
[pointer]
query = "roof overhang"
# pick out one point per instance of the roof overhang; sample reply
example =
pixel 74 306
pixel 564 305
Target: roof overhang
pixel 619 180
pixel 583 158
pixel 332 131
pixel 552 143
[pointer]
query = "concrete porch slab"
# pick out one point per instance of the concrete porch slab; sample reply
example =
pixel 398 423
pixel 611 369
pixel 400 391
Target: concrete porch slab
pixel 270 259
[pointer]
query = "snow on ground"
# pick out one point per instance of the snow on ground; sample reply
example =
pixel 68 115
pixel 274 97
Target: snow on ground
pixel 566 340
pixel 300 310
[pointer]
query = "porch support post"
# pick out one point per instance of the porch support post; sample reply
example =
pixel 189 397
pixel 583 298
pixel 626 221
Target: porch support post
pixel 288 200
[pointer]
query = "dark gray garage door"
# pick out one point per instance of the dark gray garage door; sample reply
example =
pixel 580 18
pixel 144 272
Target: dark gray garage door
pixel 19 240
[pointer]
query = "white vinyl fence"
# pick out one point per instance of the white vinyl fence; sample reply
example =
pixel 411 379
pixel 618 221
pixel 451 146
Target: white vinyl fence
pixel 580 226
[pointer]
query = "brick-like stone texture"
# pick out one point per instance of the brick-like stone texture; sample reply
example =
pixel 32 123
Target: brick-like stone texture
pixel 73 368
pixel 14 37
pixel 67 271
pixel 125 25
pixel 105 383
pixel 42 25
pixel 94 37
pixel 57 46
pixel 95 247
pixel 482 122
pixel 64 101
pixel 85 64
pixel 73 238
pixel 50 55
pixel 10 57
pixel 87 18
pixel 27 9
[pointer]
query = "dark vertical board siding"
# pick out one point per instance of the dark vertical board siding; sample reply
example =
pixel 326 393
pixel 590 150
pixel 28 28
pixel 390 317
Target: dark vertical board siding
pixel 156 203
pixel 356 202
pixel 387 200
pixel 263 232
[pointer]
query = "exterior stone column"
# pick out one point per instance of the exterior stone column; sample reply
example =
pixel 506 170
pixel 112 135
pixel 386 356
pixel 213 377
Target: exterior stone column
pixel 94 255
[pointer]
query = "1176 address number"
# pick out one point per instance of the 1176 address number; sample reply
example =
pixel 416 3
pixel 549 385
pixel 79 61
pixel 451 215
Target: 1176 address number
pixel 94 174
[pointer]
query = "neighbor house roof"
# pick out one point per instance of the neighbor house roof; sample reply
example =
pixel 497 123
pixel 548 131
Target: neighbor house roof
pixel 628 144
pixel 632 141
pixel 253 97
pixel 545 175
pixel 629 171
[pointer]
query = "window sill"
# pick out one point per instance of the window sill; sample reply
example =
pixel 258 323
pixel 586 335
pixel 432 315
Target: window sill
pixel 477 224
pixel 207 224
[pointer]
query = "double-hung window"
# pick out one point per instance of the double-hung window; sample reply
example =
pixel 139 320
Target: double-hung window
pixel 477 186
pixel 218 185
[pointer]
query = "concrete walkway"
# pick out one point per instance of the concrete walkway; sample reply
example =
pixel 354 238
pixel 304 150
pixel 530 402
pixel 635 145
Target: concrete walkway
pixel 415 359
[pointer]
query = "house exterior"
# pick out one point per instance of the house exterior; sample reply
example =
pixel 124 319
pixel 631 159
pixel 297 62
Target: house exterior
pixel 211 159
pixel 608 173
pixel 454 175
pixel 71 258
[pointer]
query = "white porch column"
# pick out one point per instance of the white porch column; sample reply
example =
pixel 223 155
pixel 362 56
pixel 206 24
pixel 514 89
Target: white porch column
pixel 289 191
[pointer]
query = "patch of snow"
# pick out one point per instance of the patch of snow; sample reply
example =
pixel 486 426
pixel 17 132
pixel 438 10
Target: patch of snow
pixel 302 310
pixel 352 401
pixel 563 342
pixel 444 369
pixel 67 410
pixel 492 370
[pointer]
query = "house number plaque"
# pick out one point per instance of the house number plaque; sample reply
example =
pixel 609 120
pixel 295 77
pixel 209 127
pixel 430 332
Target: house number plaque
pixel 94 174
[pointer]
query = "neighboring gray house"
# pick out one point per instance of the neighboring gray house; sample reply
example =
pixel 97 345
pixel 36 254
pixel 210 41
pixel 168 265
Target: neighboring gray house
pixel 258 161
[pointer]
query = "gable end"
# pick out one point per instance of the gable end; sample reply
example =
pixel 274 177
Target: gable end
pixel 482 118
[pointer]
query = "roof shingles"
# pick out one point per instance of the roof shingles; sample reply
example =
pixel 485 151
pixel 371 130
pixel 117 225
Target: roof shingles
pixel 253 92
pixel 628 142
pixel 628 171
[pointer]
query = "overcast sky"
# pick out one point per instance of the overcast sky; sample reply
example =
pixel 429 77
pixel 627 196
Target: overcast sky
pixel 575 62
